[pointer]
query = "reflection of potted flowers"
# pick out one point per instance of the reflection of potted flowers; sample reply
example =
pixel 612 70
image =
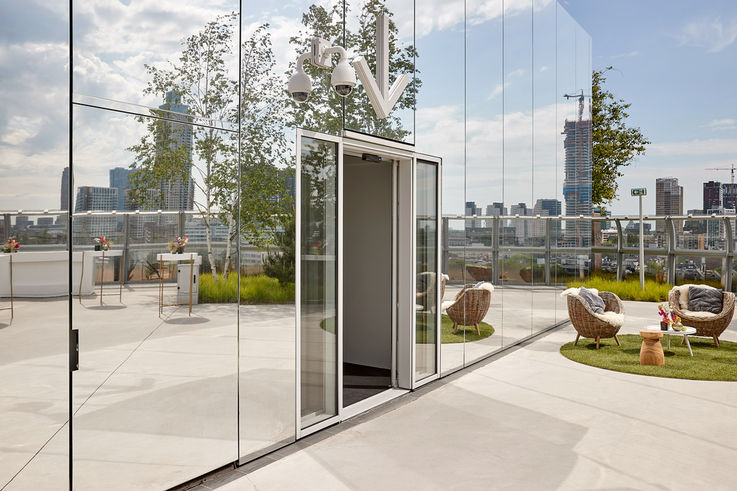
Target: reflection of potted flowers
pixel 11 246
pixel 102 244
pixel 176 246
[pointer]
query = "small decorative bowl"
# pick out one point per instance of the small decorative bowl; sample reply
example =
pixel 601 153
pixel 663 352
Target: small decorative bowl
pixel 678 327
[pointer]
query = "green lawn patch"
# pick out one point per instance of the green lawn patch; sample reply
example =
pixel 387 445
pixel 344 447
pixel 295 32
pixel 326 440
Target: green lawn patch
pixel 424 336
pixel 628 289
pixel 254 290
pixel 708 362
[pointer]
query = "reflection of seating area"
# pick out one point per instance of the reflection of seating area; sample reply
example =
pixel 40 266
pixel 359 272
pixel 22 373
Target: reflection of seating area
pixel 479 273
pixel 591 324
pixel 426 286
pixel 470 306
pixel 706 323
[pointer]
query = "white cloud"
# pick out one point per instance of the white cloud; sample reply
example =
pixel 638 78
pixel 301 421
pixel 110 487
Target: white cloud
pixel 710 146
pixel 628 54
pixel 722 124
pixel 714 34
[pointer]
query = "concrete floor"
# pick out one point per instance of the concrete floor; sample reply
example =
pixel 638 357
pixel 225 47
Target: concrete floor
pixel 156 400
pixel 528 419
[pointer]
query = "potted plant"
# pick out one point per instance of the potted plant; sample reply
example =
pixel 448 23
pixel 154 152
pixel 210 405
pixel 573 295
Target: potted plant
pixel 176 246
pixel 11 246
pixel 102 243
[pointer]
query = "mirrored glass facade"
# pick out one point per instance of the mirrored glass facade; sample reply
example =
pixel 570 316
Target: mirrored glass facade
pixel 155 194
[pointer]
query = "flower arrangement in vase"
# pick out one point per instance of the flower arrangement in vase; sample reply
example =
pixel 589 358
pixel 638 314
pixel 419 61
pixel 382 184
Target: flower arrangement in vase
pixel 668 318
pixel 102 243
pixel 176 246
pixel 11 246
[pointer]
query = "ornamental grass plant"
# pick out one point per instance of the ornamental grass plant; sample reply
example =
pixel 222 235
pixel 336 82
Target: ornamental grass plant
pixel 256 289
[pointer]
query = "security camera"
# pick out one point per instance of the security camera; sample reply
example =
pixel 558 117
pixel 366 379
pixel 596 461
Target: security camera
pixel 343 78
pixel 300 86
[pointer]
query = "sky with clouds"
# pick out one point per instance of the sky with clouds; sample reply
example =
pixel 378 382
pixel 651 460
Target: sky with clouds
pixel 674 60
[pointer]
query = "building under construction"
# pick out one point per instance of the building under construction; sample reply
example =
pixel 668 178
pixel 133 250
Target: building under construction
pixel 577 183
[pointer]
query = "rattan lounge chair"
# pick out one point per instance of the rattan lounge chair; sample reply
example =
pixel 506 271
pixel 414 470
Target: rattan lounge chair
pixel 588 324
pixel 470 306
pixel 426 285
pixel 711 326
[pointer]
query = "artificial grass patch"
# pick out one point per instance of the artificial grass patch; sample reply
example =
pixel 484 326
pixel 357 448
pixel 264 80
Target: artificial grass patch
pixel 424 336
pixel 447 336
pixel 708 362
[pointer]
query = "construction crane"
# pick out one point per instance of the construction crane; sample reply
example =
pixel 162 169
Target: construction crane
pixel 581 98
pixel 731 169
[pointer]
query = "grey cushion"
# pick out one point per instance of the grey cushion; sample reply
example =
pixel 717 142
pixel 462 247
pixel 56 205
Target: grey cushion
pixel 705 300
pixel 595 302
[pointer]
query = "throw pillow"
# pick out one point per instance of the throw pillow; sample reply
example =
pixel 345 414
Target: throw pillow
pixel 705 300
pixel 595 302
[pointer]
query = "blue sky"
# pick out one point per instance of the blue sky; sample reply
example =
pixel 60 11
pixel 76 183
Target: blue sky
pixel 676 62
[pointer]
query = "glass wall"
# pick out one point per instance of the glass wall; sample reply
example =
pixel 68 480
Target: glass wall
pixel 180 184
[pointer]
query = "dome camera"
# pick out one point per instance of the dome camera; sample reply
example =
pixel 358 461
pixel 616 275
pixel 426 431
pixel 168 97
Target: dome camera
pixel 343 78
pixel 300 87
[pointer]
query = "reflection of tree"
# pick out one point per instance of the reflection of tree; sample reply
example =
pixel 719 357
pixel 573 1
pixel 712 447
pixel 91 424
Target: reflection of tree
pixel 224 164
pixel 319 196
pixel 325 111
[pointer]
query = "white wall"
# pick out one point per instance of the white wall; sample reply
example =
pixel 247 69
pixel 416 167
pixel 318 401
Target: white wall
pixel 367 262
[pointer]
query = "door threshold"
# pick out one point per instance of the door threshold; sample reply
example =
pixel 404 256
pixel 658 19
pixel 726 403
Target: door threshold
pixel 371 402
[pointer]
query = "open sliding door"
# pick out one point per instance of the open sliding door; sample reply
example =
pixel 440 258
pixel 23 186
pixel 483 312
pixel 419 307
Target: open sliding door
pixel 427 274
pixel 319 281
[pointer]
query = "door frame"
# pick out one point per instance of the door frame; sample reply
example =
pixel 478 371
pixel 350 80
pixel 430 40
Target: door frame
pixel 438 161
pixel 403 259
pixel 302 432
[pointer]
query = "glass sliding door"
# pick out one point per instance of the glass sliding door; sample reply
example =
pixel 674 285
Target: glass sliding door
pixel 428 281
pixel 318 272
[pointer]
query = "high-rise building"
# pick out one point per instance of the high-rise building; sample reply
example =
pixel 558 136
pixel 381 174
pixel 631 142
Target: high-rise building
pixel 64 204
pixel 472 209
pixel 120 180
pixel 577 182
pixel 495 209
pixel 668 201
pixel 729 196
pixel 712 195
pixel 522 228
pixel 550 208
pixel 178 194
pixel 92 198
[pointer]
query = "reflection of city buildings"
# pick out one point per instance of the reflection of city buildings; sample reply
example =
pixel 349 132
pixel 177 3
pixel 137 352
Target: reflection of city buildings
pixel 120 179
pixel 550 208
pixel 668 201
pixel 471 210
pixel 64 202
pixel 577 182
pixel 93 198
pixel 177 194
pixel 729 195
pixel 195 230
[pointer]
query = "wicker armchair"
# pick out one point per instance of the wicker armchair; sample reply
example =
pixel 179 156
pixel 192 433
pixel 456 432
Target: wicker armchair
pixel 426 289
pixel 470 307
pixel 590 326
pixel 712 327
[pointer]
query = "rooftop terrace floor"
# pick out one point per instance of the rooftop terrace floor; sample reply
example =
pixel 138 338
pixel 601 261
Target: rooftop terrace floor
pixel 526 419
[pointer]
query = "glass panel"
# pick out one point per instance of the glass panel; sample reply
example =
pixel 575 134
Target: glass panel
pixel 319 280
pixel 484 185
pixel 518 169
pixel 153 368
pixel 426 268
pixel 34 335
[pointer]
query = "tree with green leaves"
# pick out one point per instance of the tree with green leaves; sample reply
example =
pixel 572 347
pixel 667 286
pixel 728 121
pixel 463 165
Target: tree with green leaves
pixel 234 177
pixel 325 110
pixel 614 144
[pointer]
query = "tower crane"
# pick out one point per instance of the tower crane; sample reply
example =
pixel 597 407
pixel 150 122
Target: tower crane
pixel 581 98
pixel 731 169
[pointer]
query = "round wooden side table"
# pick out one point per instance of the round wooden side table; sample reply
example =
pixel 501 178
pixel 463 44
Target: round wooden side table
pixel 651 351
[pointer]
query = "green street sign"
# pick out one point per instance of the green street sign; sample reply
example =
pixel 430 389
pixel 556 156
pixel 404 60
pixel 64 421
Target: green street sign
pixel 639 191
